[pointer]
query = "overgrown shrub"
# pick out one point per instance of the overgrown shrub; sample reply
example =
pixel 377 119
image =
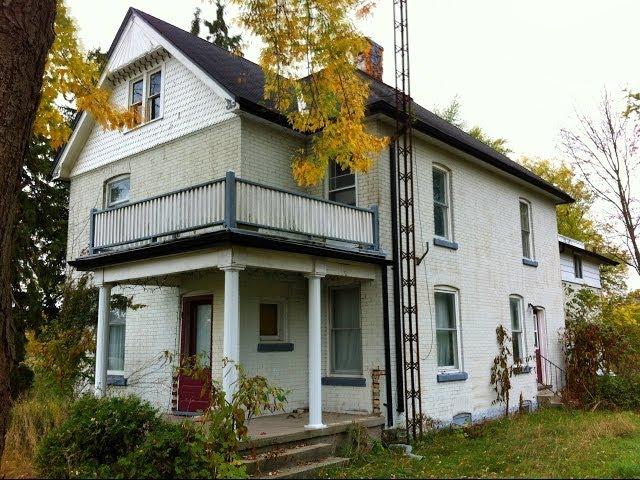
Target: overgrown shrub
pixel 619 392
pixel 174 451
pixel 98 432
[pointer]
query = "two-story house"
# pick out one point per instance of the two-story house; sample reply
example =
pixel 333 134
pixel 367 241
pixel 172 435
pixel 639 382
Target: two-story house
pixel 195 214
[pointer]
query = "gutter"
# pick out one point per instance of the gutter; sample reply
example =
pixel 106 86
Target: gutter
pixel 395 232
pixel 387 344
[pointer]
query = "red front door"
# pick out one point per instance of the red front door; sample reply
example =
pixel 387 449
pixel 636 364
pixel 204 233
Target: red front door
pixel 195 351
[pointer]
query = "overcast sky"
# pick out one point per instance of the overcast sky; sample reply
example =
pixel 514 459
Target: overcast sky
pixel 520 68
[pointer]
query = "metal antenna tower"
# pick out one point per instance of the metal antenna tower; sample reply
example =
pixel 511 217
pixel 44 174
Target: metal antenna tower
pixel 408 257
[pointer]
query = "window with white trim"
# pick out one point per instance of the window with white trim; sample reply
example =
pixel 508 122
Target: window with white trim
pixel 517 333
pixel 441 203
pixel 117 191
pixel 117 326
pixel 272 319
pixel 346 332
pixel 447 328
pixel 526 229
pixel 136 92
pixel 145 96
pixel 342 184
pixel 577 266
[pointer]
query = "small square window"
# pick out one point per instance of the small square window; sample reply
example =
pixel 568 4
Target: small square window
pixel 269 328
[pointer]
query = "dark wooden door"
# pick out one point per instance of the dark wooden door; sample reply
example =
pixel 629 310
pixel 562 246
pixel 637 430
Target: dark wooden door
pixel 194 390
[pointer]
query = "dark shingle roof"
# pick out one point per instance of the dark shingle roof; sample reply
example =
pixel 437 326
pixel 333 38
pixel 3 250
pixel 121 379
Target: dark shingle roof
pixel 245 80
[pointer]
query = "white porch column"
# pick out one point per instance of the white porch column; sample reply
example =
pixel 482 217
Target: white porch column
pixel 102 340
pixel 231 327
pixel 315 355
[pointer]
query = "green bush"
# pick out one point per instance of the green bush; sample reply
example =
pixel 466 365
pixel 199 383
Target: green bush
pixel 619 391
pixel 172 451
pixel 98 432
pixel 124 437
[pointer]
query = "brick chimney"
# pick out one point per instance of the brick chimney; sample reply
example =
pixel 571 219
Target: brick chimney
pixel 370 61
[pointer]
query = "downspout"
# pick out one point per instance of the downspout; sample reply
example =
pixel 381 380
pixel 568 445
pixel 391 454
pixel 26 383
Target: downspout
pixel 393 186
pixel 387 344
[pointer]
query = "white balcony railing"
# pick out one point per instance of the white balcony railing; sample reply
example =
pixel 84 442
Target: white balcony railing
pixel 233 204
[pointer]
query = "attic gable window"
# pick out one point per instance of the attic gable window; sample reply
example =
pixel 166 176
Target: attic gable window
pixel 135 100
pixel 145 96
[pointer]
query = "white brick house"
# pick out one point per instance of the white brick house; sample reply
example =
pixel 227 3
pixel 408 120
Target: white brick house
pixel 194 213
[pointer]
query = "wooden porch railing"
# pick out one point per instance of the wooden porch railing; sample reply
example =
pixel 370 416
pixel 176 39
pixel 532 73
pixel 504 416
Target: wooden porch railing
pixel 232 204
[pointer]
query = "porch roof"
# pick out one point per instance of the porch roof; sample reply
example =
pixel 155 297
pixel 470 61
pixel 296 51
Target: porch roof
pixel 224 238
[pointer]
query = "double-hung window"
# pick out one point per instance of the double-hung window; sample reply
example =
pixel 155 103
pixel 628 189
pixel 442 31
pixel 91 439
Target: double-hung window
pixel 342 184
pixel 135 99
pixel 346 334
pixel 117 191
pixel 145 97
pixel 577 266
pixel 447 329
pixel 517 335
pixel 441 203
pixel 526 230
pixel 117 322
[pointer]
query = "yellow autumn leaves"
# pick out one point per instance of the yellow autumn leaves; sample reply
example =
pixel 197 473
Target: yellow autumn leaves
pixel 70 76
pixel 309 57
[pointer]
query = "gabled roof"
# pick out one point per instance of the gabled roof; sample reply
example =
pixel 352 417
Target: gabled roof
pixel 245 81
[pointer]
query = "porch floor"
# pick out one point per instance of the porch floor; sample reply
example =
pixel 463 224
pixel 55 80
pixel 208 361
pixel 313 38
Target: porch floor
pixel 285 424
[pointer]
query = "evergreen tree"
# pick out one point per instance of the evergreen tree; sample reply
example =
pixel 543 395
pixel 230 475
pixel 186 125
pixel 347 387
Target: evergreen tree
pixel 218 30
pixel 39 250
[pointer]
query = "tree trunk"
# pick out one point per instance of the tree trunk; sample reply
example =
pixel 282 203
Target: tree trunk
pixel 26 34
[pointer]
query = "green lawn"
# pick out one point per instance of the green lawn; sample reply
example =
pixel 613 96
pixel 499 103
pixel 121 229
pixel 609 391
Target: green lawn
pixel 547 444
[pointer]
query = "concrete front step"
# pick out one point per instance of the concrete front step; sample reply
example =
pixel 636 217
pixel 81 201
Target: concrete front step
pixel 305 470
pixel 278 458
pixel 549 399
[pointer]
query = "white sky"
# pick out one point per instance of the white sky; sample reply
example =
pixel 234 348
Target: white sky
pixel 520 68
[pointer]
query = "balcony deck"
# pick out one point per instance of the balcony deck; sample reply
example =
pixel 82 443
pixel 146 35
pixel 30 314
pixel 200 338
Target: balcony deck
pixel 234 210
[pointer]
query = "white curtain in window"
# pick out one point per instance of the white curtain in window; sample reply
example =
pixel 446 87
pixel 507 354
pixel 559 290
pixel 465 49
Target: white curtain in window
pixel 446 329
pixel 116 347
pixel 346 335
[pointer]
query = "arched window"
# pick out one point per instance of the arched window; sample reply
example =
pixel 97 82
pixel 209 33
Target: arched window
pixel 116 191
